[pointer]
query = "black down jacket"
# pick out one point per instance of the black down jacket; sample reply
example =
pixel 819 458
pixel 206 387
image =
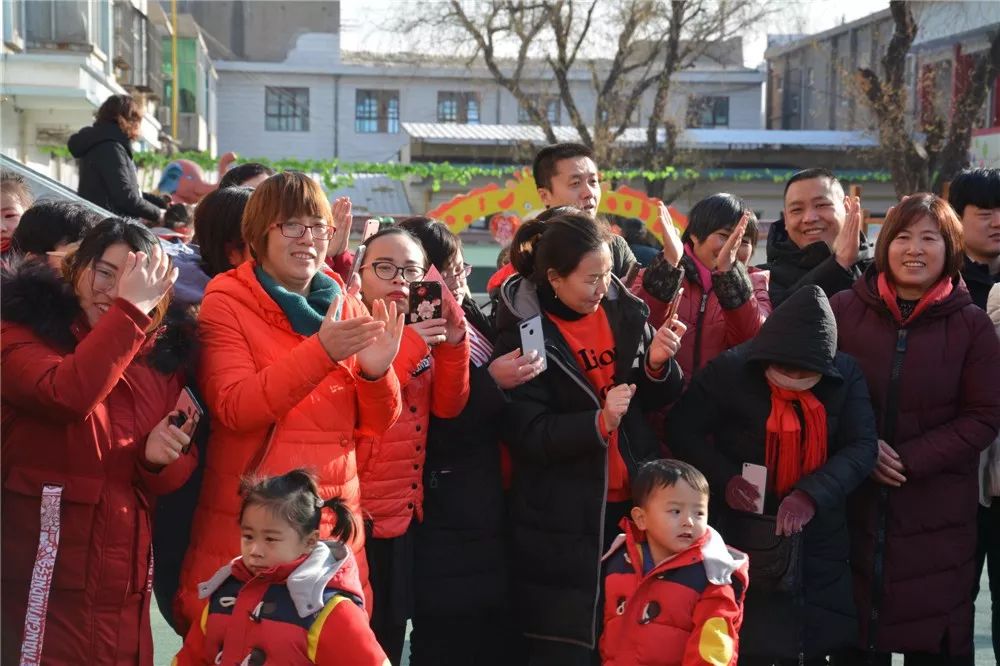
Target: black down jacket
pixel 107 172
pixel 720 423
pixel 559 491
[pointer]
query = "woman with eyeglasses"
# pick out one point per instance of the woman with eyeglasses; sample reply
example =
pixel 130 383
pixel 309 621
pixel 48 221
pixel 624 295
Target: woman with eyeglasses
pixel 292 368
pixel 460 594
pixel 433 370
pixel 92 366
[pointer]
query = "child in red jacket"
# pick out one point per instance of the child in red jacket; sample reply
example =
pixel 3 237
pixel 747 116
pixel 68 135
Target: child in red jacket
pixel 673 589
pixel 289 598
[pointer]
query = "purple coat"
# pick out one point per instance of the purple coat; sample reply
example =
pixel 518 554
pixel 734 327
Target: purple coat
pixel 935 386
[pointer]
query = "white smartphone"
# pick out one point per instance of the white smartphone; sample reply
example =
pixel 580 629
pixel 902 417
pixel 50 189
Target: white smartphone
pixel 371 228
pixel 532 338
pixel 359 256
pixel 757 475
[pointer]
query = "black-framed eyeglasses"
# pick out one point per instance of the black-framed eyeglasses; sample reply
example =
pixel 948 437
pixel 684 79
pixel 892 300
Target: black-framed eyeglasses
pixel 298 230
pixel 386 270
pixel 465 270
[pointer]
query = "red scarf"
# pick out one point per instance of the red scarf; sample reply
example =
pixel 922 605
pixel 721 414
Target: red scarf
pixel 789 454
pixel 887 292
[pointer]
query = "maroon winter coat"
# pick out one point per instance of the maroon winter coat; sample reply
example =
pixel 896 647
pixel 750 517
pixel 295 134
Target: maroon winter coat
pixel 77 407
pixel 942 374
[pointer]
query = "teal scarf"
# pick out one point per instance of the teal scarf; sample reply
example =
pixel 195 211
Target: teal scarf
pixel 305 313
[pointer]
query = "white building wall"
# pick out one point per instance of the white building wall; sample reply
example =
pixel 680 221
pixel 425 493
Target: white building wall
pixel 241 116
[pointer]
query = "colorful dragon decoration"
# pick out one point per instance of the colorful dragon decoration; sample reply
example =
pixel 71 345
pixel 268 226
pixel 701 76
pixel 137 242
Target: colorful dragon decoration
pixel 518 199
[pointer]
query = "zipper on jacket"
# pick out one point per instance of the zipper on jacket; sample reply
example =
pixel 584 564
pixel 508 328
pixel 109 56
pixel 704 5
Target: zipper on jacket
pixel 891 416
pixel 697 331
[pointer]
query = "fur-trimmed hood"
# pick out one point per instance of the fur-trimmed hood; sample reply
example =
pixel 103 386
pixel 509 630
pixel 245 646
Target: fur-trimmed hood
pixel 34 295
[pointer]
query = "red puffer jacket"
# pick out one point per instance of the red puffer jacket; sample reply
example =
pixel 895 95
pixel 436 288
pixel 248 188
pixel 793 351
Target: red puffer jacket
pixel 277 402
pixel 728 314
pixel 688 610
pixel 305 612
pixel 77 407
pixel 391 467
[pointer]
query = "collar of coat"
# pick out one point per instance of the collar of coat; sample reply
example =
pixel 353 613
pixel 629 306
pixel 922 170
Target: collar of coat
pixel 306 582
pixel 626 312
pixel 720 561
pixel 35 296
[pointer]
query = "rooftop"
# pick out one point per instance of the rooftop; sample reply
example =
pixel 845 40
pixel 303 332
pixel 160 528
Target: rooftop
pixel 701 139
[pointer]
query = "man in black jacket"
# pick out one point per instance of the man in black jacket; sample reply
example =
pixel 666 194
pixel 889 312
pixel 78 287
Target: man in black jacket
pixel 812 243
pixel 104 153
pixel 975 196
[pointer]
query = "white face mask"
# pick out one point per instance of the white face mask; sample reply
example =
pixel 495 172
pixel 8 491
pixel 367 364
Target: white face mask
pixel 779 378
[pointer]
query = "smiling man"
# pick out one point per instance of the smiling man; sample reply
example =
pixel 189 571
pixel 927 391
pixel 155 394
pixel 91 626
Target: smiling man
pixel 810 243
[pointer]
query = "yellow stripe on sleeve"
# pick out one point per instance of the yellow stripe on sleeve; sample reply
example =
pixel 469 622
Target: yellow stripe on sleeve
pixel 715 645
pixel 312 642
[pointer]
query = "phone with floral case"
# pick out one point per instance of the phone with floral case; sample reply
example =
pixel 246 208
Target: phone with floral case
pixel 425 301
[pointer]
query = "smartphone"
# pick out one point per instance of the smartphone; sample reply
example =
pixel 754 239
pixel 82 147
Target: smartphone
pixel 532 339
pixel 757 475
pixel 371 228
pixel 675 305
pixel 425 301
pixel 359 256
pixel 189 413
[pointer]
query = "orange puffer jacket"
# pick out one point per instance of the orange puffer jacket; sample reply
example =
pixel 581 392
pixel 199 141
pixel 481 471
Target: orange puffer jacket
pixel 391 466
pixel 256 372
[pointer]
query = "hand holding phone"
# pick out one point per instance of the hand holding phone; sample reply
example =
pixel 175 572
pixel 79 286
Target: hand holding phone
pixel 675 302
pixel 533 339
pixel 187 414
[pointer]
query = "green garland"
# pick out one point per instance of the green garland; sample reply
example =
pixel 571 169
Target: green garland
pixel 337 174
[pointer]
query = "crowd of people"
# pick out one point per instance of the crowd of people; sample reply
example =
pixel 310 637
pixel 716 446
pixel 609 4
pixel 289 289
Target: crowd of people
pixel 703 461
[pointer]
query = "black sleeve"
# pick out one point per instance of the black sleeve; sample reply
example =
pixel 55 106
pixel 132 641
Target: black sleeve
pixel 118 174
pixel 829 276
pixel 691 426
pixel 538 434
pixel 853 452
pixel 622 257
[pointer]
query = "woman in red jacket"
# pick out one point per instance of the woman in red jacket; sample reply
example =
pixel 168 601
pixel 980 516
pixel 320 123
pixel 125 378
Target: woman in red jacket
pixel 433 370
pixel 91 374
pixel 932 363
pixel 292 368
pixel 724 303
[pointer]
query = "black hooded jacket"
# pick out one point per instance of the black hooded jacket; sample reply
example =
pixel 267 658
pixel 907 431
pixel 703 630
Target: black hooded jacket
pixel 793 267
pixel 720 424
pixel 107 172
pixel 558 499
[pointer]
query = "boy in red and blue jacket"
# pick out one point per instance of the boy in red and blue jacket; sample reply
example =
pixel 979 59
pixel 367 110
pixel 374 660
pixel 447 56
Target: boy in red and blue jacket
pixel 673 589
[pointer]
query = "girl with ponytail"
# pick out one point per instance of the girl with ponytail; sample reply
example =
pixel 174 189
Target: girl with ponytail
pixel 577 431
pixel 298 599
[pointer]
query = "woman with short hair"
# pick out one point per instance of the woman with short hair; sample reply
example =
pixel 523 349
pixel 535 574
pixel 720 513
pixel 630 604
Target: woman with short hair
pixel 932 362
pixel 292 370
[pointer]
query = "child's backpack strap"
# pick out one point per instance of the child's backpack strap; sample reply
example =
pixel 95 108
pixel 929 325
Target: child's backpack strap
pixel 331 599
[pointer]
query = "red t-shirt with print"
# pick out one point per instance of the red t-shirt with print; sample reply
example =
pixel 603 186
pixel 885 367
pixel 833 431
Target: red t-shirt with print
pixel 593 345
